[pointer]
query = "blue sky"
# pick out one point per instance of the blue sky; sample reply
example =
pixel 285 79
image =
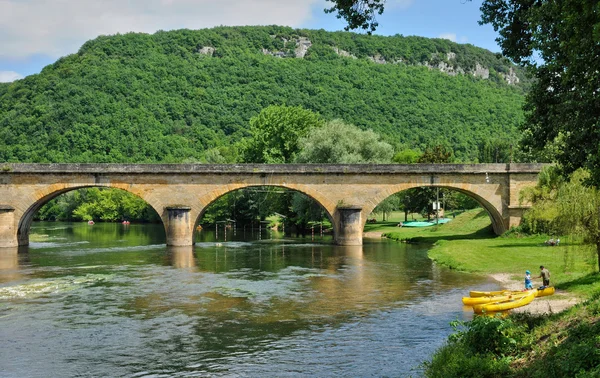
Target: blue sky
pixel 35 33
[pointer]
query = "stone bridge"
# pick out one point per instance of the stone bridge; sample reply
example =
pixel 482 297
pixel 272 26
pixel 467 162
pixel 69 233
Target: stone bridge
pixel 181 192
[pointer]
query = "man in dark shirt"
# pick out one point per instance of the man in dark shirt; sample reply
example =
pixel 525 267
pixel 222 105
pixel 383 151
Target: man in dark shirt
pixel 545 275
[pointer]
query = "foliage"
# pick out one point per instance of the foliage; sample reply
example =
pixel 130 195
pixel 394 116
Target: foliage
pixel 474 349
pixel 338 142
pixel 559 345
pixel 496 151
pixel 492 335
pixel 388 205
pixel 247 206
pixel 158 98
pixel 455 360
pixel 97 204
pixel 358 13
pixel 564 207
pixel 541 216
pixel 559 42
pixel 406 156
pixel 438 153
pixel 276 132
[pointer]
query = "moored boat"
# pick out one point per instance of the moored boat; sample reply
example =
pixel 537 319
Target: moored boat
pixel 475 294
pixel 504 296
pixel 506 305
pixel 548 290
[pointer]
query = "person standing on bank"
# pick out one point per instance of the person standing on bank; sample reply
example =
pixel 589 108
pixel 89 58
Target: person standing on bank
pixel 528 284
pixel 545 275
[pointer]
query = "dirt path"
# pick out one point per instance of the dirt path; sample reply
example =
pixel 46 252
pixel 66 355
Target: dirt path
pixel 543 305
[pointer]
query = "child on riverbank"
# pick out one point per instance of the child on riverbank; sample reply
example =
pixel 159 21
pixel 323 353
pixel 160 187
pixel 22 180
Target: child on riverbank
pixel 528 284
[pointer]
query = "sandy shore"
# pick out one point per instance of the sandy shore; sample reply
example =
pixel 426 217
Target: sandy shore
pixel 543 305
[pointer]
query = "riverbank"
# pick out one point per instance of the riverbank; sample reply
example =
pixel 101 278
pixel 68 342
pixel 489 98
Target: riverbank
pixel 468 244
pixel 561 300
pixel 555 336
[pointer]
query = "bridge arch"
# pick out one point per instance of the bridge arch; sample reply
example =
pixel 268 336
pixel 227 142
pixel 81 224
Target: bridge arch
pixel 481 195
pixel 45 195
pixel 211 197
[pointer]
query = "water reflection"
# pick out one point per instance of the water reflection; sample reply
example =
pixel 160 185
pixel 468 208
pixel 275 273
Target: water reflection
pixel 9 265
pixel 120 303
pixel 181 256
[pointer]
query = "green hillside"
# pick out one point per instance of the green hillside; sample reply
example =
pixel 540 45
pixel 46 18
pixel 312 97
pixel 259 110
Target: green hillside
pixel 172 95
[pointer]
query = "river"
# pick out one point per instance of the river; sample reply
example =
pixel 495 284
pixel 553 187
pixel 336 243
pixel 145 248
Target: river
pixel 112 300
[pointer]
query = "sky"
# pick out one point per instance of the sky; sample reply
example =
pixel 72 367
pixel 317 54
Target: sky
pixel 35 33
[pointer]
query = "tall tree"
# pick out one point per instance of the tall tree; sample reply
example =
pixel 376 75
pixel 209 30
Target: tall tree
pixel 406 156
pixel 560 42
pixel 437 154
pixel 275 133
pixel 338 142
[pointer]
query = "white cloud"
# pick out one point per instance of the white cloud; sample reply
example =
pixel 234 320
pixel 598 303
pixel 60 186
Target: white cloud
pixel 450 36
pixel 9 76
pixel 60 27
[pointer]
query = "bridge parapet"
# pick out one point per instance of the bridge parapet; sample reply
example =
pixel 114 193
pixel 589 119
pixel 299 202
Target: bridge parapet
pixel 373 169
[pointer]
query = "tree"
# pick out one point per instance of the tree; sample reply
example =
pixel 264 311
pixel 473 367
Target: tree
pixel 437 154
pixel 387 206
pixel 559 41
pixel 358 13
pixel 276 132
pixel 407 156
pixel 495 151
pixel 422 197
pixel 554 210
pixel 341 143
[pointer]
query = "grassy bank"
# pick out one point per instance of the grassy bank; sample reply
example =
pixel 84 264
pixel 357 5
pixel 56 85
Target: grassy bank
pixel 472 224
pixel 565 344
pixel 467 243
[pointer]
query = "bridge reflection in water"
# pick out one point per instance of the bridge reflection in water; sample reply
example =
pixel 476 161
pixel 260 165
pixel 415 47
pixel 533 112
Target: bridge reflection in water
pixel 248 308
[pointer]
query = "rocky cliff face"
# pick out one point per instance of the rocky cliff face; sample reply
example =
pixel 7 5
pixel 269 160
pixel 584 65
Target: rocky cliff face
pixel 299 47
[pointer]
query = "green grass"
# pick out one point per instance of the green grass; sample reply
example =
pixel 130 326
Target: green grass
pixel 472 224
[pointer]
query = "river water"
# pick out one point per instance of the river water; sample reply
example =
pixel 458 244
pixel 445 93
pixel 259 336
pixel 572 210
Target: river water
pixel 110 300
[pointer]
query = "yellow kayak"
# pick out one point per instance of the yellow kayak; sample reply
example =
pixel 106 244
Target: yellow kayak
pixel 505 296
pixel 545 291
pixel 540 293
pixel 506 305
pixel 475 294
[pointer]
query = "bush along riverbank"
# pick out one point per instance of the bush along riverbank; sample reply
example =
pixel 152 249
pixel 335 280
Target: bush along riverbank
pixel 525 344
pixel 566 344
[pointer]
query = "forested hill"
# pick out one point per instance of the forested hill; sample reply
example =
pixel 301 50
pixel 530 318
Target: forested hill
pixel 172 95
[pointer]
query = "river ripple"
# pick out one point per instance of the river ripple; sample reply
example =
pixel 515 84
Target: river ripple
pixel 109 300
